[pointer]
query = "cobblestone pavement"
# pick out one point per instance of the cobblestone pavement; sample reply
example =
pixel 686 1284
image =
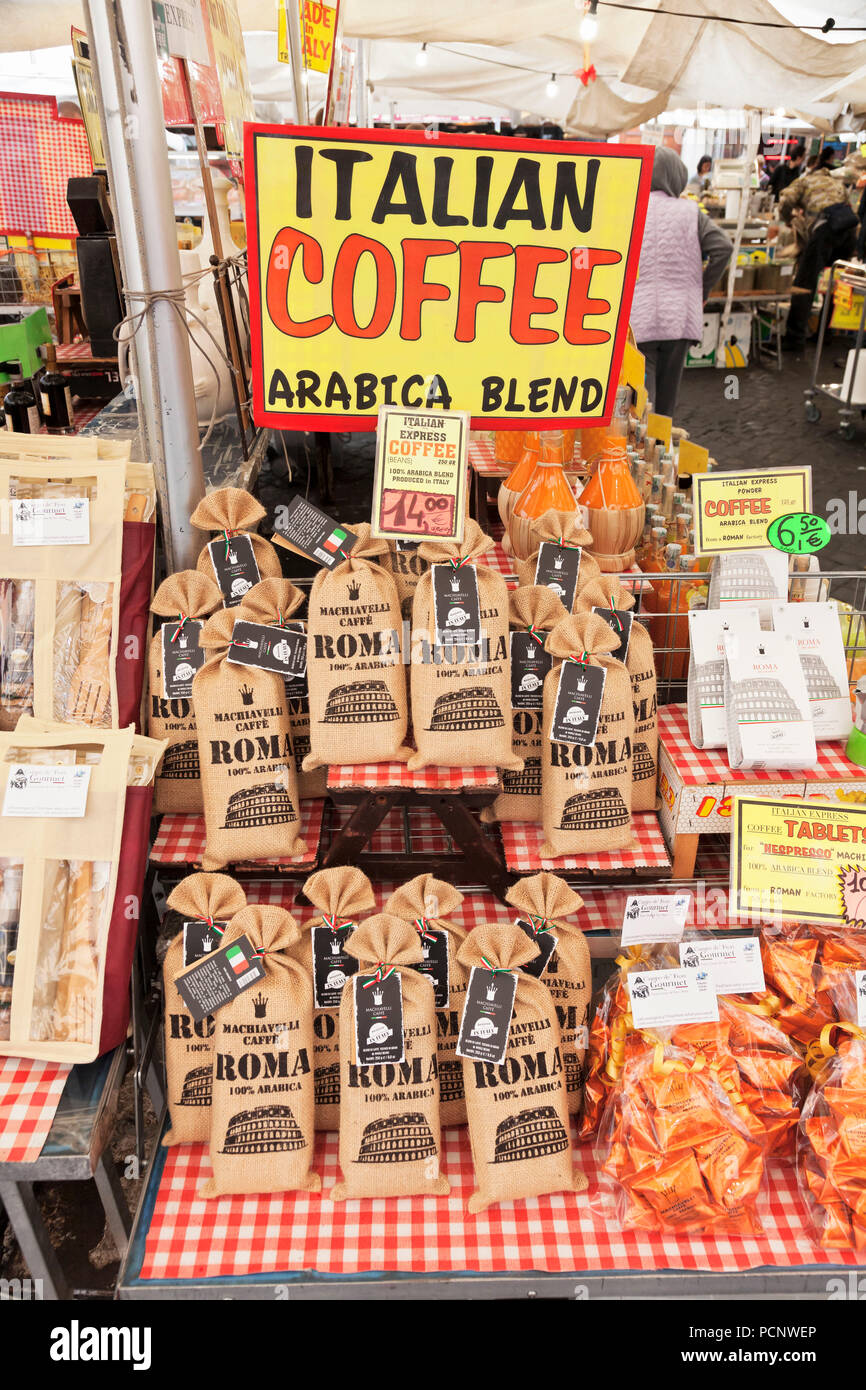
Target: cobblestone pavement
pixel 767 427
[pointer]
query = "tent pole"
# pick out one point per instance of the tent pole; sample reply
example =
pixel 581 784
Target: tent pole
pixel 362 96
pixel 296 54
pixel 123 52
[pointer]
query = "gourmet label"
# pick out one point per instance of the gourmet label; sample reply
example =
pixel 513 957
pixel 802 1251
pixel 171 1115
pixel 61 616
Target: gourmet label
pixel 478 274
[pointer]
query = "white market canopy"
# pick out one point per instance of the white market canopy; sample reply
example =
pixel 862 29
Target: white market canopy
pixel 496 57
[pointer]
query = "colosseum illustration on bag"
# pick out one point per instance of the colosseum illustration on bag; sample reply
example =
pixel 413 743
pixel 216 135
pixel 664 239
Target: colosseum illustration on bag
pixel 180 762
pixel 267 1129
pixel 197 1086
pixel 643 763
pixel 327 1084
pixel 252 806
pixel 525 783
pixel 600 809
pixel 462 710
pixel 529 1134
pixel 362 702
pixel 397 1139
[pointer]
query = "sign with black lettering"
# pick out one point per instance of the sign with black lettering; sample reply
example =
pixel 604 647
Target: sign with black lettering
pixel 332 966
pixel 467 272
pixel 435 964
pixel 619 620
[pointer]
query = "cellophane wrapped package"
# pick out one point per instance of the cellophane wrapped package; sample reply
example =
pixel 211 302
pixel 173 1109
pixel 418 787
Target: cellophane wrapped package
pixel 832 1147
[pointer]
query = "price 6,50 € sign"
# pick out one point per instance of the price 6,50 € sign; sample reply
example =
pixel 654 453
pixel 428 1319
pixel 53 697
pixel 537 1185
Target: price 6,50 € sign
pixel 798 533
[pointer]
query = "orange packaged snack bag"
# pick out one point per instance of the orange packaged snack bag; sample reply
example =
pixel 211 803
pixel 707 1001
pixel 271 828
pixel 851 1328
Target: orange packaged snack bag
pixel 832 1139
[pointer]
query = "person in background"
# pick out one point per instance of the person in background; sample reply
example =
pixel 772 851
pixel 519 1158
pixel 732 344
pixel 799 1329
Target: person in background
pixel 785 173
pixel 819 210
pixel 761 171
pixel 682 257
pixel 699 184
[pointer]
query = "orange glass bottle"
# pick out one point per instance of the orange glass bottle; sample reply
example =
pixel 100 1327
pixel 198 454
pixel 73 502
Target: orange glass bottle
pixel 548 489
pixel 615 508
pixel 519 476
pixel 508 446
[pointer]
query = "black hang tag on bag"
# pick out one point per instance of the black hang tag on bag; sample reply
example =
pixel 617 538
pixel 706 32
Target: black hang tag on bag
pixel 456 605
pixel 558 568
pixel 219 978
pixel 282 650
pixel 578 704
pixel 486 1020
pixel 201 939
pixel 332 967
pixel 546 943
pixel 235 566
pixel 181 657
pixel 435 965
pixel 315 534
pixel 378 1020
pixel 621 630
pixel 530 663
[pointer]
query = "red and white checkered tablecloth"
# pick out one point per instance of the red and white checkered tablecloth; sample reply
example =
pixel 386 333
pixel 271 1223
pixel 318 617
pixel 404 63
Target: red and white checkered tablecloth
pixel 698 766
pixel 74 352
pixel 29 1096
pixel 181 839
pixel 522 841
pixel 287 1232
pixel 41 152
pixel 506 565
pixel 426 833
pixel 375 776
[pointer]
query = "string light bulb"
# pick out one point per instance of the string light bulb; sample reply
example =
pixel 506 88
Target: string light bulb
pixel 421 56
pixel 552 87
pixel 588 28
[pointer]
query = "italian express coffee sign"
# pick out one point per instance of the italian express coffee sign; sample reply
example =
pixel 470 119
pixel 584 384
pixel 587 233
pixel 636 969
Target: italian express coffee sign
pixel 450 272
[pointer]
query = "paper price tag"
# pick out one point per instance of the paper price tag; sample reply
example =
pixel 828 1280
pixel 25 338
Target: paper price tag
pixel 665 998
pixel 650 917
pixel 59 793
pixel 282 650
pixel 557 569
pixel 530 663
pixel 234 564
pixel 435 966
pixel 200 939
pixel 733 962
pixel 181 657
pixel 309 531
pixel 456 605
pixel 219 978
pixel 578 704
pixel 51 521
pixel 332 966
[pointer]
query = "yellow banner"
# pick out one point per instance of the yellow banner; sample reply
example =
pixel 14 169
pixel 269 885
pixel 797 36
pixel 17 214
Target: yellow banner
pixel 691 458
pixel 318 26
pixel 283 55
pixel 803 861
pixel 466 273
pixel 733 510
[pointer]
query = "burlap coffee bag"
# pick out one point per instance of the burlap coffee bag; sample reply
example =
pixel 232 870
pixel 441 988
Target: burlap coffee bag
pixel 274 602
pixel 607 592
pixel 355 670
pixel 535 610
pixel 261 1137
pixel 406 563
pixel 428 903
pixel 544 902
pixel 188 1044
pixel 187 594
pixel 390 1140
pixel 342 896
pixel 233 512
pixel 561 528
pixel 461 695
pixel 248 773
pixel 586 791
pixel 518 1114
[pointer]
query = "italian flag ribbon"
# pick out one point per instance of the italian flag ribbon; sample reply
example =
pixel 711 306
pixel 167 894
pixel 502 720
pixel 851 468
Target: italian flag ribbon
pixel 579 660
pixel 616 618
pixel 181 619
pixel 228 535
pixel 458 564
pixel 538 924
pixel 279 621
pixel 218 931
pixel 423 927
pixel 336 923
pixel 533 632
pixel 567 545
pixel 381 973
pixel 496 969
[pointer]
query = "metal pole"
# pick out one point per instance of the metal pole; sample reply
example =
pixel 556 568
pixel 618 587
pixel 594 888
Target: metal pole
pixel 296 53
pixel 123 52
